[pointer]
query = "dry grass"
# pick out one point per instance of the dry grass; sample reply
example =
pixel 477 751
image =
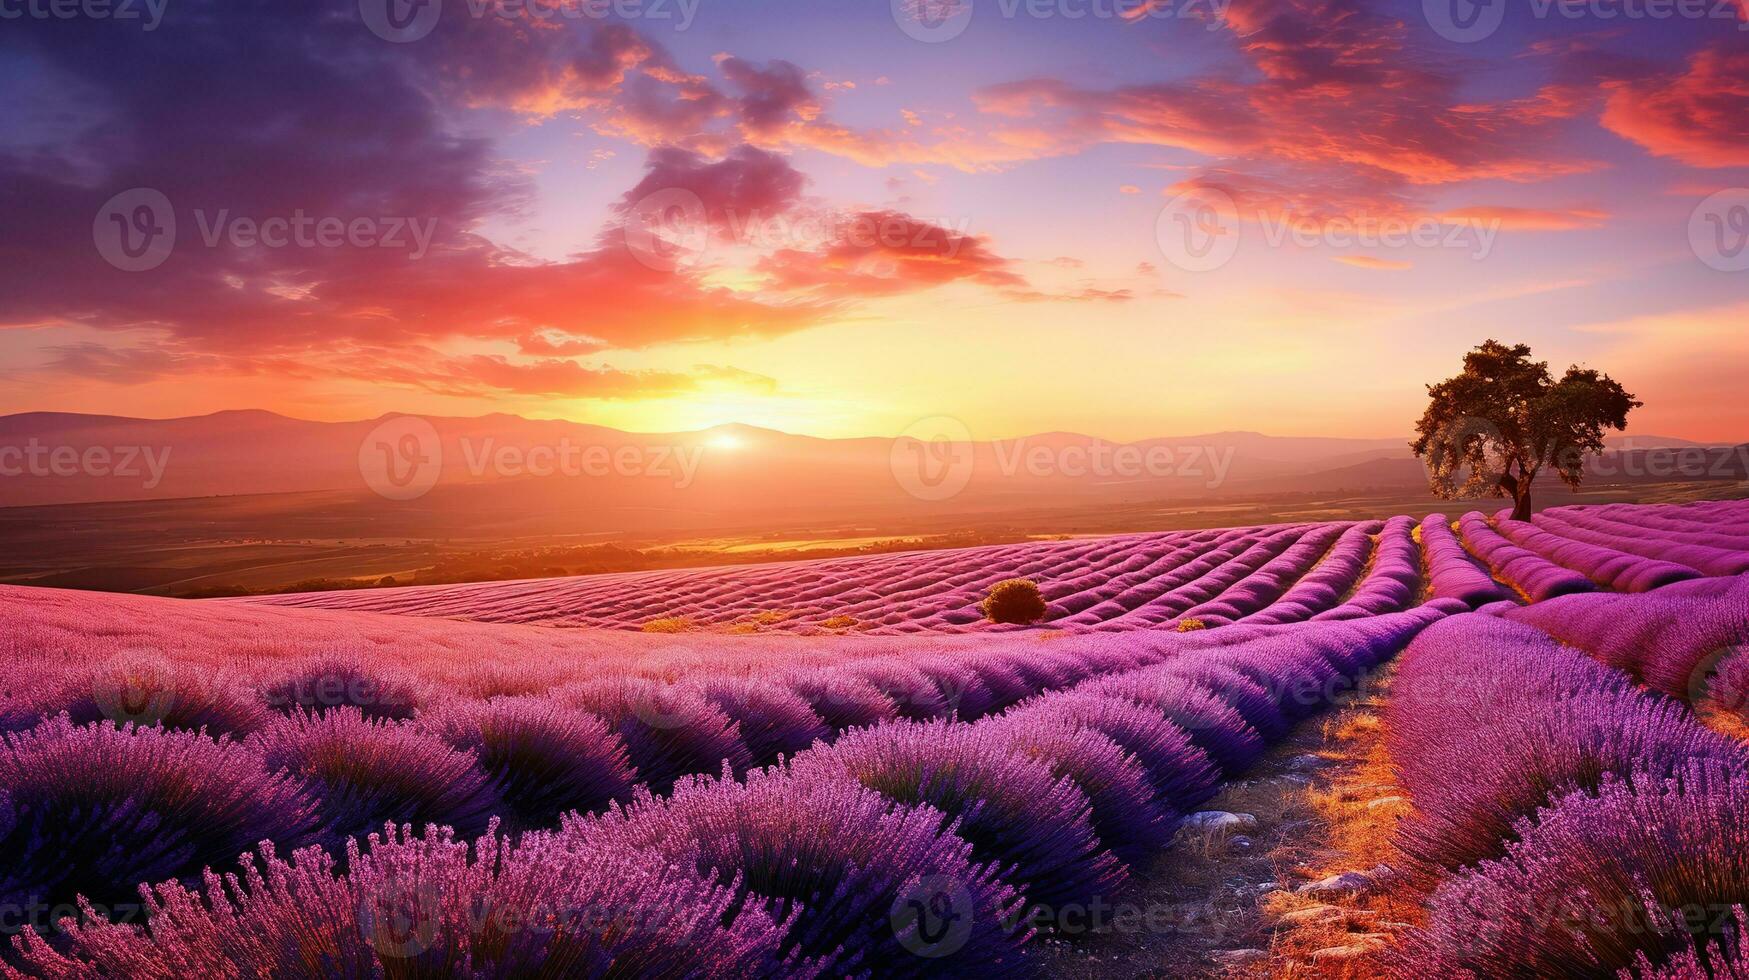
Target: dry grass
pixel 670 624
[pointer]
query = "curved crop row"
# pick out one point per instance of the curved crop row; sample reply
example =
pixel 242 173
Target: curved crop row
pixel 1609 567
pixel 1392 581
pixel 1324 586
pixel 1581 527
pixel 1269 583
pixel 1537 577
pixel 1674 640
pixel 1452 572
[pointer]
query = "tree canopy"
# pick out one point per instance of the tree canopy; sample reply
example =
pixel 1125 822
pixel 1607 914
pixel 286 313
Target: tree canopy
pixel 1505 418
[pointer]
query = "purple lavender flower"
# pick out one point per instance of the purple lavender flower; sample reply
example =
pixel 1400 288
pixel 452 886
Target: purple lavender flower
pixel 1012 809
pixel 1637 873
pixel 365 772
pixel 97 810
pixel 873 887
pixel 543 759
pixel 669 731
pixel 774 720
pixel 1125 815
pixel 341 682
pixel 432 906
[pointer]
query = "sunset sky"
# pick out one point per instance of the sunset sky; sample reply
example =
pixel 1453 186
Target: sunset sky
pixel 872 221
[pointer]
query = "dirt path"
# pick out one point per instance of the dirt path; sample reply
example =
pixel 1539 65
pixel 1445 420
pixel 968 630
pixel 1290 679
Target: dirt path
pixel 1303 891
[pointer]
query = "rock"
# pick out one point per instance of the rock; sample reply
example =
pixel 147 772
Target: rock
pixel 1306 762
pixel 1268 887
pixel 1236 957
pixel 1314 915
pixel 1211 820
pixel 1346 883
pixel 1241 843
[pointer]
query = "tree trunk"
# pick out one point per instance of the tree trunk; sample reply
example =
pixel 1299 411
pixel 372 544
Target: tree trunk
pixel 1521 502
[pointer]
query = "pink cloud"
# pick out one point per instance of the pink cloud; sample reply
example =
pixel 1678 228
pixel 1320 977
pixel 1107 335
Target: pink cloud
pixel 1700 117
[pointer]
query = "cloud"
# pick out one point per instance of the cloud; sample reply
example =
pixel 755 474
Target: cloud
pixel 315 120
pixel 1699 116
pixel 1373 262
pixel 882 253
pixel 1528 219
pixel 748 181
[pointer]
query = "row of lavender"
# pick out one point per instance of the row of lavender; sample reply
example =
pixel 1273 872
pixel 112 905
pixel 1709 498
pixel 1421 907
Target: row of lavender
pixel 1569 821
pixel 913 845
pixel 1263 574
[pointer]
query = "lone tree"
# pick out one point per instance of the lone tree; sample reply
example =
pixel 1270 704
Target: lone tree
pixel 1505 418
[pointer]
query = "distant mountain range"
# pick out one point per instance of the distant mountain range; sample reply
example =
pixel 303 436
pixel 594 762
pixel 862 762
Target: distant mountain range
pixel 58 458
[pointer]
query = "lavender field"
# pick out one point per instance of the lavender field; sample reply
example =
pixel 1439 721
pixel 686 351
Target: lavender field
pixel 840 768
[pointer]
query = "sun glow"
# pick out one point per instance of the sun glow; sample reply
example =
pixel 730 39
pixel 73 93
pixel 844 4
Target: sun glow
pixel 726 442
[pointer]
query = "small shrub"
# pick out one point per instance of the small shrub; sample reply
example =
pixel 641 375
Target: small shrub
pixel 1016 601
pixel 841 623
pixel 1191 625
